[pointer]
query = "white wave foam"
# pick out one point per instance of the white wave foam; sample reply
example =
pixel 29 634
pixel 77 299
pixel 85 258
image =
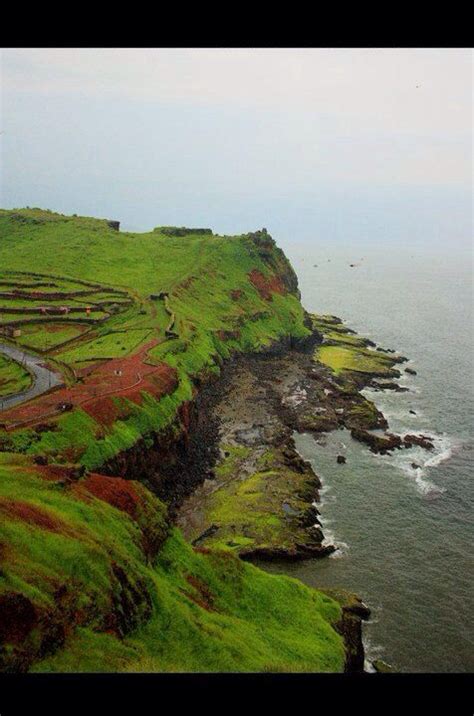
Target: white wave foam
pixel 438 459
pixel 341 551
pixel 426 487
pixel 417 463
pixel 372 652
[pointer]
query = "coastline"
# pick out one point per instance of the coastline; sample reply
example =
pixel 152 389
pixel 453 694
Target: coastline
pixel 260 498
pixel 212 449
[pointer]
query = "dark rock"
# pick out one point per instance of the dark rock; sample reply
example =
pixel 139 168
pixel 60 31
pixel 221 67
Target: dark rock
pixel 377 444
pixel 291 554
pixel 381 667
pixel 207 533
pixel 115 225
pixel 341 459
pixel 410 371
pixel 422 440
pixel 412 412
pixel 18 617
pixel 40 460
pixel 389 386
pixel 309 517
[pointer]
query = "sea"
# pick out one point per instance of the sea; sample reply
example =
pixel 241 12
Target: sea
pixel 403 523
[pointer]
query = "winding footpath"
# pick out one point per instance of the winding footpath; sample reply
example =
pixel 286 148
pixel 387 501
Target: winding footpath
pixel 43 377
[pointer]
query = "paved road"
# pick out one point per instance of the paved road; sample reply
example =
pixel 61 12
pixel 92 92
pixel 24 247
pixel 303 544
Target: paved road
pixel 44 379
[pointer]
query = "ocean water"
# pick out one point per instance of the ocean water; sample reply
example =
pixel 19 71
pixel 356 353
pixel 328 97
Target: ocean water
pixel 405 534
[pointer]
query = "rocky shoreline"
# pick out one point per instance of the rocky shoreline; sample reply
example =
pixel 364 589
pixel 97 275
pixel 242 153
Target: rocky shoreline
pixel 229 470
pixel 260 497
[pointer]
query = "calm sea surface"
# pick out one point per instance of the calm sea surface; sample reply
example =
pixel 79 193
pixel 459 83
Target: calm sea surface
pixel 406 534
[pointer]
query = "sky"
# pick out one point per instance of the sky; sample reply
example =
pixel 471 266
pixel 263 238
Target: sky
pixel 343 146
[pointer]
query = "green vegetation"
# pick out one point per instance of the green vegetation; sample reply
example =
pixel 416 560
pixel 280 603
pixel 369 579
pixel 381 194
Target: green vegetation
pixel 255 511
pixel 13 377
pixel 344 352
pixel 212 612
pixel 92 578
pixel 47 336
pixel 356 359
pixel 109 345
pixel 217 308
pixel 104 589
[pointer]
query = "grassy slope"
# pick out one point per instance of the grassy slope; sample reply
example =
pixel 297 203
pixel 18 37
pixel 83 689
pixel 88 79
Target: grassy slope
pixel 13 378
pixel 199 272
pixel 86 579
pixel 179 609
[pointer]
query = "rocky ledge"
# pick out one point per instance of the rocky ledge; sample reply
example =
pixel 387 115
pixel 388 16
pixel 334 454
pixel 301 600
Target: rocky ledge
pixel 260 498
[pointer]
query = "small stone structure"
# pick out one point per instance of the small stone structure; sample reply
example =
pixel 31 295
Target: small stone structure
pixel 12 331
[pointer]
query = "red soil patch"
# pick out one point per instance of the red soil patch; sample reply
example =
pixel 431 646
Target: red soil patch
pixel 184 415
pixel 187 282
pixel 124 377
pixel 116 491
pixel 236 294
pixel 31 514
pixel 204 597
pixel 103 410
pixel 56 473
pixel 267 285
pixel 229 335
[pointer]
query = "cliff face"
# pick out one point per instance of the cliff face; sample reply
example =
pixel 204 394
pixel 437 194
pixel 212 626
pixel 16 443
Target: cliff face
pixel 275 259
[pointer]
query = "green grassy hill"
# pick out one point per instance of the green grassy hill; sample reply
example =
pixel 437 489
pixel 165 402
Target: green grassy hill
pixel 223 294
pixel 92 575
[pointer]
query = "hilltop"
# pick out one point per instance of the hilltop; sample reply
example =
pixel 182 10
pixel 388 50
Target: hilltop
pixel 145 317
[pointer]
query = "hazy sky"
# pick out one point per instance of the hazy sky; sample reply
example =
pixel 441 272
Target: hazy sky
pixel 317 145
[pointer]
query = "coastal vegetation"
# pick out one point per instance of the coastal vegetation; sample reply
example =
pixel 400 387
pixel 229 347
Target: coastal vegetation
pixel 94 574
pixel 95 579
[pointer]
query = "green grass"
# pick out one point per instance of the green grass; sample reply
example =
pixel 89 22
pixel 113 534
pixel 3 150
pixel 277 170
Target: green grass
pixel 115 344
pixel 215 613
pixel 199 272
pixel 174 608
pixel 344 351
pixel 13 377
pixel 340 359
pixel 49 336
pixel 186 609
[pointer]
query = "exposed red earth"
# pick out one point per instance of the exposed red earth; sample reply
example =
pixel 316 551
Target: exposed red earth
pixel 266 286
pixel 116 491
pixel 33 515
pixel 97 385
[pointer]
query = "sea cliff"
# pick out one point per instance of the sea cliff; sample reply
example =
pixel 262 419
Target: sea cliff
pixel 186 362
